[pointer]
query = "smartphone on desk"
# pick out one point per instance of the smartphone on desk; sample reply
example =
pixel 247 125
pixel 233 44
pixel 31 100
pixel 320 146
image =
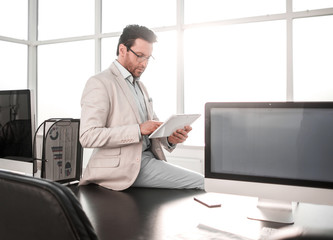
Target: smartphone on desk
pixel 208 200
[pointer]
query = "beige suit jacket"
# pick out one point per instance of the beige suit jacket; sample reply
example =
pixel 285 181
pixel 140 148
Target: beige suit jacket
pixel 110 124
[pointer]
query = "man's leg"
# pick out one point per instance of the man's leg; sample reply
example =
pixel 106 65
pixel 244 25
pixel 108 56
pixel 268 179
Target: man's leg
pixel 160 174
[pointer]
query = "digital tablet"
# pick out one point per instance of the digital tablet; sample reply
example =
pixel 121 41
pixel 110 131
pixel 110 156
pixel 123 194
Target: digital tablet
pixel 177 121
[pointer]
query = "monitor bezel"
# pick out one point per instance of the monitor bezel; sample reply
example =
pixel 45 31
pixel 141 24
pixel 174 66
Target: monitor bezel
pixel 258 179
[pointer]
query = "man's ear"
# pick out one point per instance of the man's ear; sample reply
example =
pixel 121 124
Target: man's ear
pixel 122 50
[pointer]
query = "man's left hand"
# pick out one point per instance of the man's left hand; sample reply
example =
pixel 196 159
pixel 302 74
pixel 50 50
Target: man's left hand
pixel 180 135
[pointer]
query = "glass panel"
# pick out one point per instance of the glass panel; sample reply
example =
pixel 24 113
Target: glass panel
pixel 214 10
pixel 63 18
pixel 150 13
pixel 13 62
pixel 109 51
pixel 160 76
pixel 303 5
pixel 14 19
pixel 63 70
pixel 245 62
pixel 313 51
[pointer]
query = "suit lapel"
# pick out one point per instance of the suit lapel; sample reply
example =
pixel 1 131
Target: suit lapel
pixel 127 92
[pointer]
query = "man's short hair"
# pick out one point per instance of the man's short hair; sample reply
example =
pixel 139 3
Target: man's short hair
pixel 133 32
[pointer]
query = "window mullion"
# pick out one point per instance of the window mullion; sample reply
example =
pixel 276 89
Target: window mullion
pixel 290 84
pixel 32 48
pixel 98 32
pixel 180 57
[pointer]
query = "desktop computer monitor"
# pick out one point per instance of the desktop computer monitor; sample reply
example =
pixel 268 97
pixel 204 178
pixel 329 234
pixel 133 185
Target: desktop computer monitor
pixel 17 128
pixel 280 150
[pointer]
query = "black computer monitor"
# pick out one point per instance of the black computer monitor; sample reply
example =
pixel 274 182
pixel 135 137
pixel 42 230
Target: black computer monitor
pixel 17 128
pixel 278 150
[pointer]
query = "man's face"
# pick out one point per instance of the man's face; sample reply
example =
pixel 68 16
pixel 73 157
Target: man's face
pixel 134 64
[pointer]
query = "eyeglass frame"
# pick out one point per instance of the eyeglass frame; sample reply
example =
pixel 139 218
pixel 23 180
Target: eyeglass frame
pixel 141 58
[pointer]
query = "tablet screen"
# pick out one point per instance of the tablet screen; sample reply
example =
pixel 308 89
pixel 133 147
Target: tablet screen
pixel 177 121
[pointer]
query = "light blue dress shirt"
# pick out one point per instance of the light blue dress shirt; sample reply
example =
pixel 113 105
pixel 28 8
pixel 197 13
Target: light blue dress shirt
pixel 139 99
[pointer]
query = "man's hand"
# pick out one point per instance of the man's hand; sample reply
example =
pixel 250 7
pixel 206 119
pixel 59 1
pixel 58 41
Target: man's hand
pixel 180 135
pixel 149 127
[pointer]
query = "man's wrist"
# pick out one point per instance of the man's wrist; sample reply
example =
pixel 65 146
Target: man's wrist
pixel 171 145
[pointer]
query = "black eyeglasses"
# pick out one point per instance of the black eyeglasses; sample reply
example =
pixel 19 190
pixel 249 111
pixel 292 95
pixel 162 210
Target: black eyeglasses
pixel 141 58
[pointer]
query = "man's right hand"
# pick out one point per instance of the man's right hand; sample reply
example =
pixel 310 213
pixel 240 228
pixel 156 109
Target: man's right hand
pixel 149 127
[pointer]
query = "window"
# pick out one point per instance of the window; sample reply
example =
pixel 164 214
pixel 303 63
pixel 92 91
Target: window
pixel 14 18
pixel 305 5
pixel 61 78
pixel 13 62
pixel 197 11
pixel 160 77
pixel 207 50
pixel 109 49
pixel 243 62
pixel 150 13
pixel 313 51
pixel 63 18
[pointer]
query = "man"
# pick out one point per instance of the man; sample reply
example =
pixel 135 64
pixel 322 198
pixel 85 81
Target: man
pixel 116 119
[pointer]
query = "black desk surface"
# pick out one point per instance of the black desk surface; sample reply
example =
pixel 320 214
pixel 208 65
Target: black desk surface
pixel 144 213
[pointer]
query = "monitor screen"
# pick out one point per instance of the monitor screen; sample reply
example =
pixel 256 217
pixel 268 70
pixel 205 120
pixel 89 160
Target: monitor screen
pixel 16 125
pixel 279 144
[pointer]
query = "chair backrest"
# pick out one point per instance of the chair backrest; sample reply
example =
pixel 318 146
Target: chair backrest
pixel 34 208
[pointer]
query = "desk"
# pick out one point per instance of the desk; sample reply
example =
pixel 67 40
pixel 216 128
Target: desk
pixel 146 213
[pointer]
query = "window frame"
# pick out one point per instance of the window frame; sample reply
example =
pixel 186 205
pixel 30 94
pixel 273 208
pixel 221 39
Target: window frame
pixel 33 43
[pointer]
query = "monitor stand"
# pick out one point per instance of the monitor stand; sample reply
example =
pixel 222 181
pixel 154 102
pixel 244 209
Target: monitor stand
pixel 272 211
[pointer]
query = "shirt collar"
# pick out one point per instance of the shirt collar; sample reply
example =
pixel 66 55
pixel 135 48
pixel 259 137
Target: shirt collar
pixel 125 73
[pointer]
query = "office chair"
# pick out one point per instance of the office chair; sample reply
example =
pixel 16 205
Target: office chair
pixel 34 208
